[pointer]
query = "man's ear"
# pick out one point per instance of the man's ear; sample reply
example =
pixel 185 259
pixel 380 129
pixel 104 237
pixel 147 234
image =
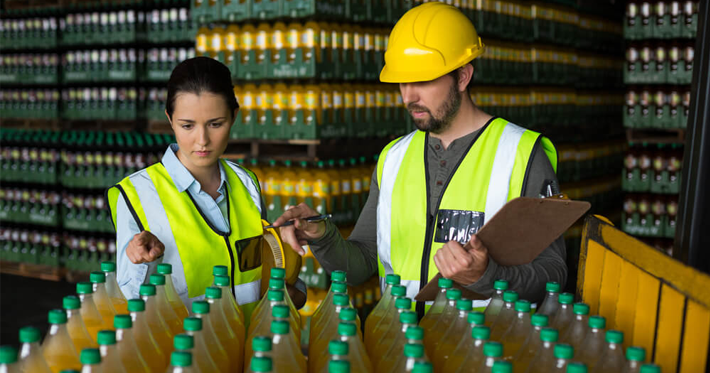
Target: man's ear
pixel 465 76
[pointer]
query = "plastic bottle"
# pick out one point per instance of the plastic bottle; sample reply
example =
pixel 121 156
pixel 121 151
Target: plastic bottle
pixel 321 189
pixel 110 358
pixel 57 348
pixel 101 299
pixel 174 300
pixel 591 349
pixel 186 343
pixel 413 353
pixel 280 273
pixel 492 351
pixel 337 350
pixel 506 315
pixel 202 354
pixel 260 364
pixel 413 335
pixel 278 312
pixel 75 324
pixel 304 185
pixel 574 367
pixel 358 357
pixel 329 329
pixel 579 326
pixel 312 110
pixel 151 350
pixel 278 41
pixel 158 328
pixel 91 361
pixel 650 368
pixel 286 352
pixel 8 360
pixel 262 41
pixel 215 345
pixel 274 298
pixel 612 358
pixel 497 303
pixel 447 331
pixel 563 354
pixel 272 195
pixel 545 355
pixel 128 351
pixel 166 310
pixel 397 292
pixel 223 310
pixel 395 335
pixel 382 306
pixel 550 304
pixel 180 362
pixel 469 351
pixel 261 345
pixel 327 303
pixel 119 302
pixel 502 367
pixel 519 330
pixel 532 343
pixel 564 316
pixel 439 303
pixel 222 282
pixel 280 104
pixel 288 186
pixel 31 359
pixel 89 313
pixel 635 356
pixel 447 315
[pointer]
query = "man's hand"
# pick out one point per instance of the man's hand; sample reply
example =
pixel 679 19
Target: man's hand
pixel 301 231
pixel 463 264
pixel 144 248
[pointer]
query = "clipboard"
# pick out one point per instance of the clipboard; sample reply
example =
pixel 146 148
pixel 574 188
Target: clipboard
pixel 521 230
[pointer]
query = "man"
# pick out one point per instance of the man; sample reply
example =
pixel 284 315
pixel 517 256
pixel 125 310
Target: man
pixel 449 177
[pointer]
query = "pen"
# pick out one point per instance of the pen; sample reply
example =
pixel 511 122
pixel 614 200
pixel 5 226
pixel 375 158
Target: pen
pixel 312 219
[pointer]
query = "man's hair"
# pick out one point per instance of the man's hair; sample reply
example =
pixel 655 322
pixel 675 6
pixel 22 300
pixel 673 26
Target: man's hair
pixel 455 74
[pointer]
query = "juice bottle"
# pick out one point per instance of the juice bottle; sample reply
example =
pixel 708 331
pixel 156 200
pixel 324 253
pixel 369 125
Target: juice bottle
pixel 216 42
pixel 545 355
pixel 448 313
pixel 89 313
pixel 497 303
pixel 439 303
pixel 58 350
pixel 413 335
pixel 358 357
pixel 293 39
pixel 469 352
pixel 395 335
pixel 304 185
pixel 321 189
pixel 280 274
pixel 413 353
pixel 31 359
pixel 563 355
pixel 222 307
pixel 128 351
pixel 262 41
pixel 564 315
pixel 319 358
pixel 519 330
pixel 325 42
pixel 384 320
pixel 264 102
pixel 335 191
pixel 326 304
pixel 612 358
pixel 382 306
pixel 349 105
pixel 278 312
pixel 261 364
pixel 338 116
pixel 278 41
pixel 550 304
pixel 101 299
pixel 578 327
pixel 158 328
pixel 202 353
pixel 310 41
pixel 114 292
pixel 180 362
pixel 272 197
pixel 247 42
pixel 635 356
pixel 442 334
pixel 8 360
pixel 166 310
pixel 492 351
pixel 174 300
pixel 261 346
pixel 296 102
pixel 91 361
pixel 155 358
pixel 288 186
pixel 231 43
pixel 202 40
pixel 337 41
pixel 217 344
pixel 532 343
pixel 280 105
pixel 110 358
pixel 337 351
pixel 286 351
pixel 75 324
pixel 247 102
pixel 325 115
pixel 339 300
pixel 506 315
pixel 312 111
pixel 186 343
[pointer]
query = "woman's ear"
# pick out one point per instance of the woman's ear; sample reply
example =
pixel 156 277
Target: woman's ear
pixel 234 115
pixel 170 120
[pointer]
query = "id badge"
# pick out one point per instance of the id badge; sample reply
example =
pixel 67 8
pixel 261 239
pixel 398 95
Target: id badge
pixel 458 225
pixel 249 253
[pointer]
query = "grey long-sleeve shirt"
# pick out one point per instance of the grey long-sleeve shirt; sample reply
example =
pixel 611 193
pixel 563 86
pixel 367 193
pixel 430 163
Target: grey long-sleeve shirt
pixel 358 254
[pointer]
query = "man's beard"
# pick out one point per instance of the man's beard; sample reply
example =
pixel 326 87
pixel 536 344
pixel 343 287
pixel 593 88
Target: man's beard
pixel 444 117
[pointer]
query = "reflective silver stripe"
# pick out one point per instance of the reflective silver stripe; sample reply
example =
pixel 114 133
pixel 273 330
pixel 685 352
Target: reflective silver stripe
pixel 248 183
pixel 384 203
pixel 502 171
pixel 248 293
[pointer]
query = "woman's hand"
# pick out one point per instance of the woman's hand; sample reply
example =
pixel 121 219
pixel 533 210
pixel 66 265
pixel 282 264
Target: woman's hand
pixel 144 248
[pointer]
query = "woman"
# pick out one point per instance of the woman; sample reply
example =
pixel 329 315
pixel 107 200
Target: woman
pixel 193 210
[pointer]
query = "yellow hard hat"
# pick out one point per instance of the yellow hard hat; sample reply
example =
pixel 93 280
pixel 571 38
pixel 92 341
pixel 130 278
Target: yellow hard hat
pixel 429 41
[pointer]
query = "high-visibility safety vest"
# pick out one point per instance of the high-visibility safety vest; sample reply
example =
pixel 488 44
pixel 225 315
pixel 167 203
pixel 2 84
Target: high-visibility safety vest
pixel 492 172
pixel 192 245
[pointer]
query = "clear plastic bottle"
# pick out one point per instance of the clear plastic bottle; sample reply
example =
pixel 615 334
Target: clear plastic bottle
pixel 222 282
pixel 91 361
pixel 176 303
pixel 413 335
pixel 75 324
pixel 260 364
pixel 449 330
pixel 274 298
pixel 469 353
pixel 164 307
pixel 319 354
pixel 382 306
pixel 118 300
pixel 431 335
pixel 612 358
pixel 223 309
pixel 225 337
pixel 532 343
pixel 337 350
pixel 359 360
pixel 278 312
pixel 650 368
pixel 439 303
pixel 551 303
pixel 335 276
pixel 57 348
pixel 544 358
pixel 413 353
pixel 155 357
pixel 563 355
pixel 201 352
pixel 286 352
pixel 329 322
pixel 506 315
pixel 218 351
pixel 496 304
pixel 161 332
pixel 186 343
pixel 635 356
pixel 180 362
pixel 385 339
pixel 89 313
pixel 492 351
pixel 131 356
pixel 564 316
pixel 579 326
pixel 502 367
pixel 110 358
pixel 261 346
pixel 31 359
pixel 8 360
pixel 101 299
pixel 372 336
pixel 395 338
pixel 591 349
pixel 519 330
pixel 575 367
pixel 280 273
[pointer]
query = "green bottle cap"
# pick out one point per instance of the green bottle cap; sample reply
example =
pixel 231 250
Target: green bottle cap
pixel 553 287
pixel 29 334
pixel 500 285
pixel 597 322
pixel 339 276
pixel 97 277
pixel 477 318
pixel 279 273
pixel 414 350
pixel 445 283
pixel 338 366
pixel 136 305
pixel 422 367
pixel 192 324
pixel 522 306
pixel 347 314
pixel 510 296
pixel 275 295
pixel 576 368
pixel 106 338
pixel 566 298
pixel 481 332
pixel 213 292
pixel 650 368
pixel 220 271
pixel 165 269
pixel 183 342
pixel 549 335
pixel 157 279
pixel 347 329
pixel 71 302
pixel 341 300
pixel 580 309
pixel 200 307
pixel 399 291
pixel 502 367
pixel 614 336
pixel 57 317
pixel 336 347
pixel 276 283
pixel 261 344
pixel 493 349
pixel 181 359
pixel 408 317
pixel 280 311
pixel 403 303
pixel 261 364
pixel 339 287
pixel 392 279
pixel 147 290
pixel 464 304
pixel 221 280
pixel 635 353
pixel 453 294
pixel 109 266
pixel 415 333
pixel 279 327
pixel 90 356
pixel 122 322
pixel 8 355
pixel 287 163
pixel 84 288
pixel 564 351
pixel 539 320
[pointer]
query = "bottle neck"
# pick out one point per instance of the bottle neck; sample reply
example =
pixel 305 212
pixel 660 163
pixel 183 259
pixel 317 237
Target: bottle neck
pixel 86 297
pixel 123 334
pixel 55 329
pixel 73 313
pixel 107 349
pixel 28 348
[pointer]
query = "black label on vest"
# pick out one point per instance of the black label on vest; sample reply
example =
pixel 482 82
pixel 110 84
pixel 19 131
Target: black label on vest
pixel 249 252
pixel 458 225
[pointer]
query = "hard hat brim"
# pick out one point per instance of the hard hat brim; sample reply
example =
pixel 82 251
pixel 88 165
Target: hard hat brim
pixel 389 76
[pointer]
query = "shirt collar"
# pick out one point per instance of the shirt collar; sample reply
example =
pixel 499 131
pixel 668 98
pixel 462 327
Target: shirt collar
pixel 181 176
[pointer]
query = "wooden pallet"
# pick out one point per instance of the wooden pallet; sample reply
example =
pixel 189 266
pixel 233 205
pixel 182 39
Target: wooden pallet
pixel 656 136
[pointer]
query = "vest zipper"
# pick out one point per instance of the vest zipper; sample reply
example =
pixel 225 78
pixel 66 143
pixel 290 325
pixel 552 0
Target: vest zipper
pixel 231 259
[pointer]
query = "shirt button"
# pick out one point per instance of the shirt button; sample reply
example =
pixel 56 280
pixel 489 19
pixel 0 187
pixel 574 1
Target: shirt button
pixel 439 182
pixel 437 146
pixel 443 163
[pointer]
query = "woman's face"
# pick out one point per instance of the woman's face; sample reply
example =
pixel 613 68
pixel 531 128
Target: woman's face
pixel 201 124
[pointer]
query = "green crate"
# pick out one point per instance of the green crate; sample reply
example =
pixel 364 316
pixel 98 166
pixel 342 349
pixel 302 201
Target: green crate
pixel 268 9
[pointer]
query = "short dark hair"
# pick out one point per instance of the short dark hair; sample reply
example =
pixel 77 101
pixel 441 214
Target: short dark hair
pixel 197 75
pixel 455 74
